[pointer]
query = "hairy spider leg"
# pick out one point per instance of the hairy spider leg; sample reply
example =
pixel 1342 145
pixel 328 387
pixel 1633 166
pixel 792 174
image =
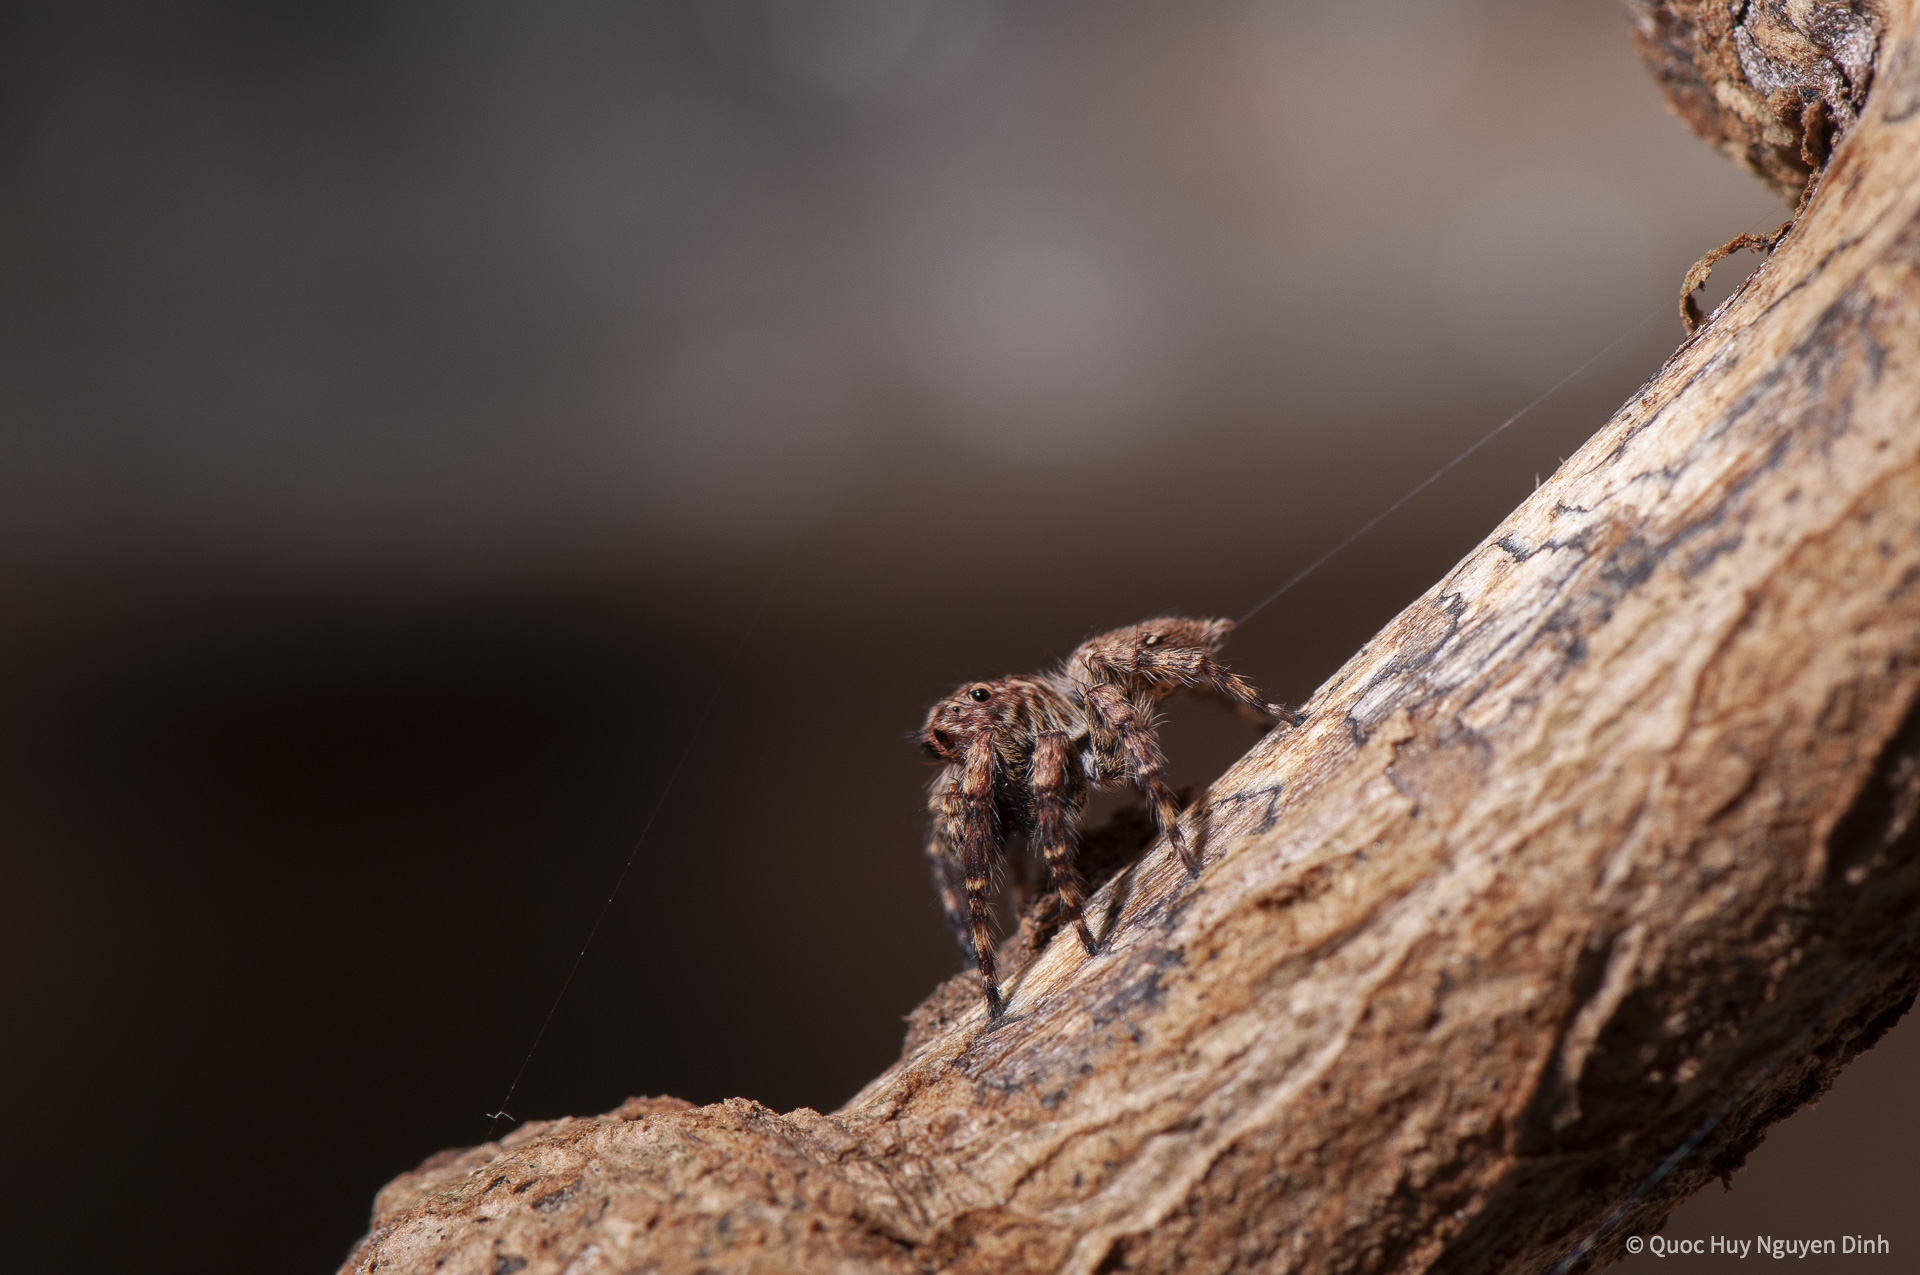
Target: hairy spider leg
pixel 945 855
pixel 1053 825
pixel 1144 764
pixel 981 840
pixel 1213 680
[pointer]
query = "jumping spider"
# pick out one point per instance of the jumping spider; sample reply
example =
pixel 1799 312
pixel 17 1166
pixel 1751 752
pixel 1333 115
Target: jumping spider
pixel 1022 754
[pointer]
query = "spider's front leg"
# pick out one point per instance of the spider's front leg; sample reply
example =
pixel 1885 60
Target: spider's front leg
pixel 1053 825
pixel 1145 766
pixel 980 841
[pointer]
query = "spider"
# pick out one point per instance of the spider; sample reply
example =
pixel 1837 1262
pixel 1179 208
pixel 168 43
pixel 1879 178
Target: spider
pixel 1022 754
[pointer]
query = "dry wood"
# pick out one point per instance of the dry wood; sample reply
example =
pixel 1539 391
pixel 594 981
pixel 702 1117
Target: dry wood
pixel 1603 849
pixel 1703 269
pixel 1771 83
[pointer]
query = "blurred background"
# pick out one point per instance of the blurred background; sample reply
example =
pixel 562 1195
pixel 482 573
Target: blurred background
pixel 406 408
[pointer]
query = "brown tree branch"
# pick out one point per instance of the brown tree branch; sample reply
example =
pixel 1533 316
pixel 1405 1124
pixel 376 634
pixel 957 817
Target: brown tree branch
pixel 1596 861
pixel 1771 83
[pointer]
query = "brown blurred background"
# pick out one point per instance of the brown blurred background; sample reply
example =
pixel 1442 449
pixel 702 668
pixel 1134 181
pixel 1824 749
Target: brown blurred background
pixel 405 407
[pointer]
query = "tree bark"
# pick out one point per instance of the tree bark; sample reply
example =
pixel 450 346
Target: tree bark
pixel 1596 861
pixel 1771 83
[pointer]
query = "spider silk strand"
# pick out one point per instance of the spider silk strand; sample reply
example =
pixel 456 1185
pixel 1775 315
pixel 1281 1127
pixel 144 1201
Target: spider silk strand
pixel 1437 474
pixel 659 804
pixel 1488 437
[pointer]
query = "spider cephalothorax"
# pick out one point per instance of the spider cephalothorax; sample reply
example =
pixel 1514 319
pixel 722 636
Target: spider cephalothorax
pixel 1022 753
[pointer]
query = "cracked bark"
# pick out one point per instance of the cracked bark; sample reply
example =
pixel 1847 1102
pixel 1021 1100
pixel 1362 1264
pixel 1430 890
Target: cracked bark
pixel 1603 850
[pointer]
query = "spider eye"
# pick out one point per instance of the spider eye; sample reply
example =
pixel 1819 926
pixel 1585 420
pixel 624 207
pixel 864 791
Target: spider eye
pixel 980 694
pixel 1152 639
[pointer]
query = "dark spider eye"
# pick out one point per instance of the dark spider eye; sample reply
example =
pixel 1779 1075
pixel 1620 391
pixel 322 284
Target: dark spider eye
pixel 1152 639
pixel 980 694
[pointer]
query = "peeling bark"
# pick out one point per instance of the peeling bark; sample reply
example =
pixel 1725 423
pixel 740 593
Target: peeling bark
pixel 1772 83
pixel 1604 849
